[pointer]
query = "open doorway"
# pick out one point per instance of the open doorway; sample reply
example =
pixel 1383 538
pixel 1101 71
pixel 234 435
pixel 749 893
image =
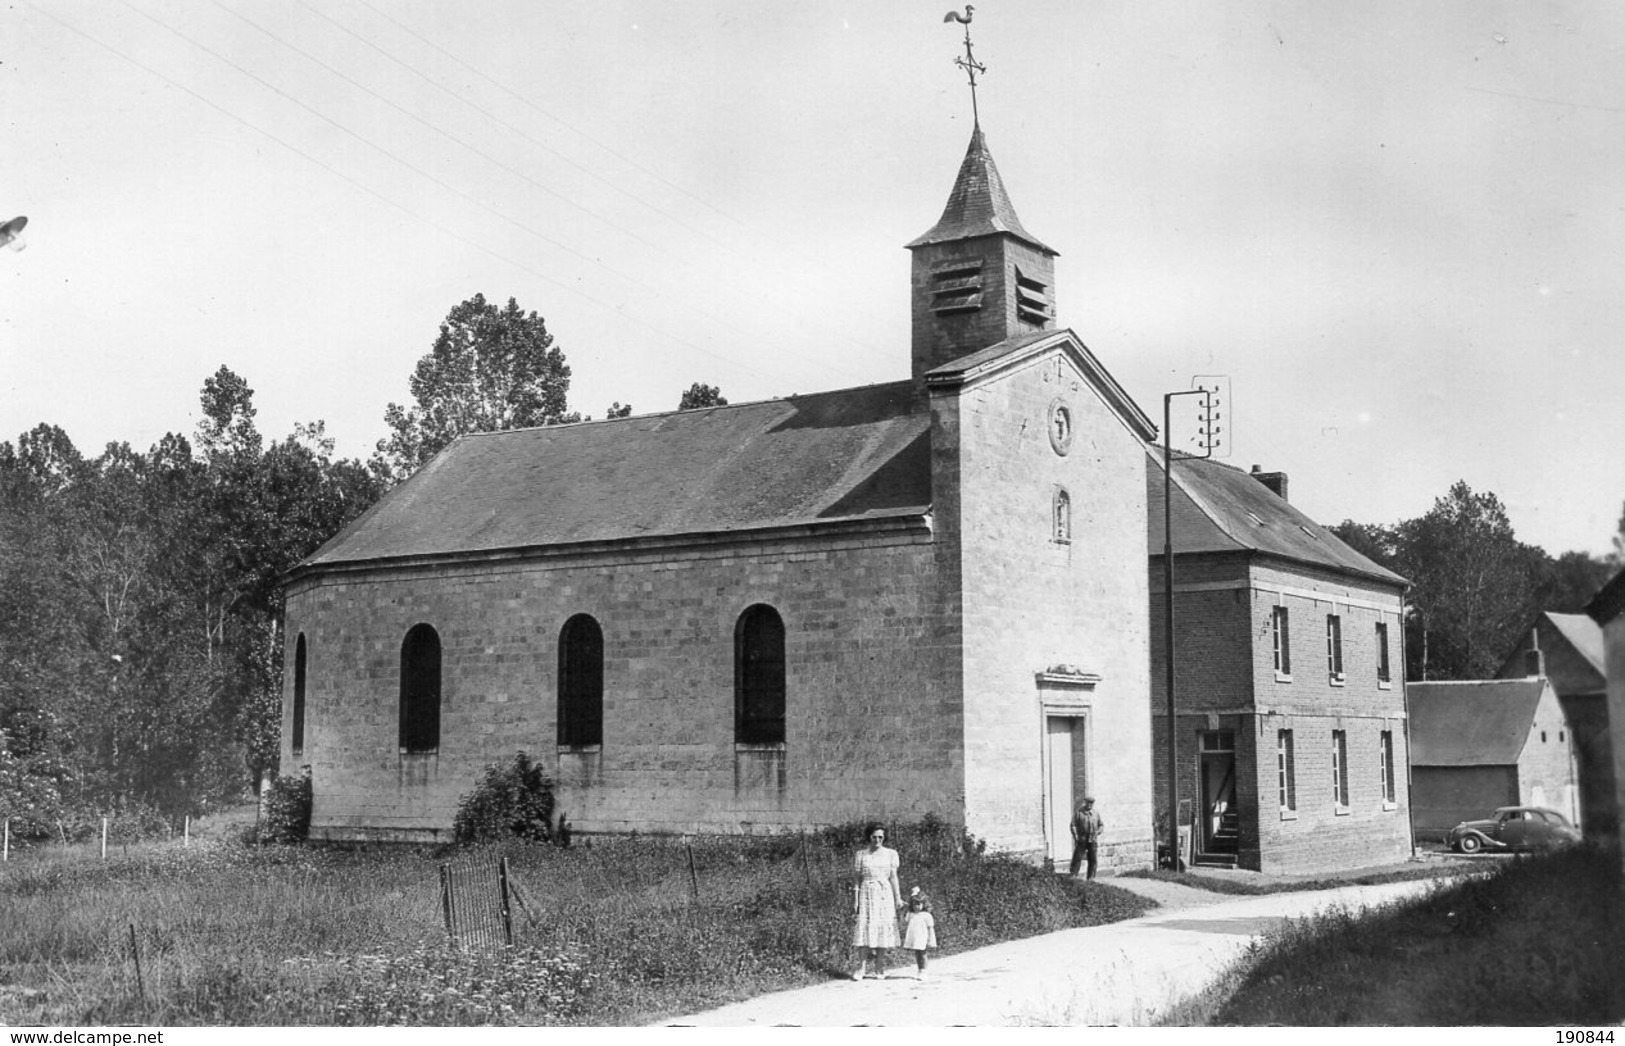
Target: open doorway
pixel 1220 828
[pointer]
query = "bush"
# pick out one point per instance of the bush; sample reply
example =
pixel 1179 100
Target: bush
pixel 513 799
pixel 287 810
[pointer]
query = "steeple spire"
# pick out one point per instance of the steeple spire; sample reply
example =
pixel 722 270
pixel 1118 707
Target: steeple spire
pixel 979 277
pixel 978 204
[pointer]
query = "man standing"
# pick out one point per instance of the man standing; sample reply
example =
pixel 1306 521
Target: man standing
pixel 1086 829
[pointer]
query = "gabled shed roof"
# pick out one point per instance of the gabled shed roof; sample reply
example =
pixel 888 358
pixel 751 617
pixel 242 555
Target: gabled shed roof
pixel 1473 722
pixel 1219 508
pixel 844 455
pixel 1584 635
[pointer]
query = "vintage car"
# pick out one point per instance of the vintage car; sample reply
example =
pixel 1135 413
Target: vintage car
pixel 1514 828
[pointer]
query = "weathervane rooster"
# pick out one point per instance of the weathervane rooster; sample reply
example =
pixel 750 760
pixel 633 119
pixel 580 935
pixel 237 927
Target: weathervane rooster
pixel 969 62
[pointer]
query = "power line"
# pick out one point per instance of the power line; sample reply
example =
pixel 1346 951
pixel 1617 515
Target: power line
pixel 427 222
pixel 483 155
pixel 437 130
pixel 632 280
pixel 521 99
pixel 549 149
pixel 650 288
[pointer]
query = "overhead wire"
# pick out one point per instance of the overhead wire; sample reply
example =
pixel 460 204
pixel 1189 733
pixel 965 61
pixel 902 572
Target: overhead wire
pixel 482 154
pixel 358 184
pixel 843 336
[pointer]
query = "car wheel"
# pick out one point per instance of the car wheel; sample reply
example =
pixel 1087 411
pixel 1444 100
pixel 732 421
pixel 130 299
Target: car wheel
pixel 1470 844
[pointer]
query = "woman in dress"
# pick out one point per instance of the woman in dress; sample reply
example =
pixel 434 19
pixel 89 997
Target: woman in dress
pixel 876 898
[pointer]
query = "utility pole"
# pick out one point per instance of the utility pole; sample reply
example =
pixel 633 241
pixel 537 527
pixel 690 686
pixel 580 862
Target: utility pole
pixel 1208 439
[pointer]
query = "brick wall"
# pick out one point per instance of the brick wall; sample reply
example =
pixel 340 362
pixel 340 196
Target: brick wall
pixel 1225 679
pixel 872 725
pixel 1032 603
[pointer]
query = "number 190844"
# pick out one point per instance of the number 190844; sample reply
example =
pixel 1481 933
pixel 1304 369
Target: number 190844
pixel 1573 1038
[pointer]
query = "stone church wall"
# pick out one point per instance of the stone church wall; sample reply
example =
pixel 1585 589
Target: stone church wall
pixel 872 723
pixel 1035 601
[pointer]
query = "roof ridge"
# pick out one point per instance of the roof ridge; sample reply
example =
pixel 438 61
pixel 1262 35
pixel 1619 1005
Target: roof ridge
pixel 683 410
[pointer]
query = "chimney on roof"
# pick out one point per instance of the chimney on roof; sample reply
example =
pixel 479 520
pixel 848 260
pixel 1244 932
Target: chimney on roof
pixel 1534 661
pixel 1276 481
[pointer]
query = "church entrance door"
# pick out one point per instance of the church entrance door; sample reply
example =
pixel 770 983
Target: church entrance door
pixel 1066 782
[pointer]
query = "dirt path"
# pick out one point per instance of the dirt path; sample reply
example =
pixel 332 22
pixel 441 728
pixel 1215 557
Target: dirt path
pixel 1121 974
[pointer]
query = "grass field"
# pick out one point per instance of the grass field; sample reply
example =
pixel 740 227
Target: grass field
pixel 228 934
pixel 1534 941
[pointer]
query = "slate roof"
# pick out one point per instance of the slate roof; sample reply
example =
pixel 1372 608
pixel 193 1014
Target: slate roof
pixel 1219 508
pixel 1472 723
pixel 978 204
pixel 843 455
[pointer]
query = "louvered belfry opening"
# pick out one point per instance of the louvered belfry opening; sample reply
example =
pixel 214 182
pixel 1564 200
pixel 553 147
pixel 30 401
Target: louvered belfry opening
pixel 979 276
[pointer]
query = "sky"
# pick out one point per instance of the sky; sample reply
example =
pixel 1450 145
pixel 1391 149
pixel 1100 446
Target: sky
pixel 1395 228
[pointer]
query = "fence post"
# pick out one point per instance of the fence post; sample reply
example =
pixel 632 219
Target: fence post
pixel 693 876
pixel 5 854
pixel 104 838
pixel 135 950
pixel 445 903
pixel 186 833
pixel 806 865
pixel 507 915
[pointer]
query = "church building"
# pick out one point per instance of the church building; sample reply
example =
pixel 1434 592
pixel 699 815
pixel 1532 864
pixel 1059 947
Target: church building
pixel 927 596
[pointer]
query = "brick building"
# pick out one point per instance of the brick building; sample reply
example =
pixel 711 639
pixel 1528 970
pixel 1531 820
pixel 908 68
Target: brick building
pixel 927 596
pixel 1479 744
pixel 1567 649
pixel 1289 695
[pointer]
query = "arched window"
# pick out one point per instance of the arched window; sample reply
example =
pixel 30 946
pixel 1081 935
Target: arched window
pixel 299 694
pixel 1061 516
pixel 581 682
pixel 420 690
pixel 759 676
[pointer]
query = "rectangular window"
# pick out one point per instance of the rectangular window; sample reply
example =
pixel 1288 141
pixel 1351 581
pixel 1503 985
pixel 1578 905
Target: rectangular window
pixel 1285 771
pixel 1340 769
pixel 1283 642
pixel 1387 755
pixel 1383 673
pixel 1334 648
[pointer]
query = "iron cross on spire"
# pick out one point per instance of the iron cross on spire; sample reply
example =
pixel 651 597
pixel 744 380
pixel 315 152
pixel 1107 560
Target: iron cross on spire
pixel 969 62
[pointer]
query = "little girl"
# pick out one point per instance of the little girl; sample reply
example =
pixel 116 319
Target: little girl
pixel 920 931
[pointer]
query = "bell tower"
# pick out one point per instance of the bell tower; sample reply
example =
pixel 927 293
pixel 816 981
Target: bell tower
pixel 979 277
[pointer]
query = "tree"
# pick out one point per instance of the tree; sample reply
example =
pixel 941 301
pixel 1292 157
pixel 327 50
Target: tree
pixel 1376 542
pixel 616 410
pixel 701 395
pixel 1567 583
pixel 1471 583
pixel 489 370
pixel 140 650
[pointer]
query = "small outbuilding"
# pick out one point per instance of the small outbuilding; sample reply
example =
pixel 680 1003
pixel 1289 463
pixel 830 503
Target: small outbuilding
pixel 1568 650
pixel 1607 609
pixel 1481 744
